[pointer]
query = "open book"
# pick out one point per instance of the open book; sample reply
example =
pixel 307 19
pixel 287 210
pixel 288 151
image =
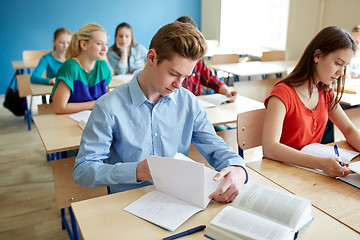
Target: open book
pixel 213 100
pixel 81 117
pixel 346 156
pixel 182 187
pixel 261 212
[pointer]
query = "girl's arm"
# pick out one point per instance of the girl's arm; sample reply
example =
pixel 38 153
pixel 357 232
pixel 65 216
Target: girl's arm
pixel 273 149
pixel 37 75
pixel 342 121
pixel 61 97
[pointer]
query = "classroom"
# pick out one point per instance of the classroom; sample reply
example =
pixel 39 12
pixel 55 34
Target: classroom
pixel 32 187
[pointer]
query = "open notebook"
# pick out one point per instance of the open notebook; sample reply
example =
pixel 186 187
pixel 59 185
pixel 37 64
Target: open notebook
pixel 182 187
pixel 81 117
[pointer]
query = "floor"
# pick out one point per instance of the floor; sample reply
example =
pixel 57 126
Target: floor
pixel 27 199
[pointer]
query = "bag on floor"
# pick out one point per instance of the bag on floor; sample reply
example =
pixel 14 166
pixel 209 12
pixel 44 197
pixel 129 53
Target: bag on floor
pixel 12 101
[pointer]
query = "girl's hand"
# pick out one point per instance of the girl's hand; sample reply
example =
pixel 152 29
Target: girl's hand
pixel 332 167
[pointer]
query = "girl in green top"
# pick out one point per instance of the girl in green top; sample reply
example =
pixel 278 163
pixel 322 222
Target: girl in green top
pixel 85 75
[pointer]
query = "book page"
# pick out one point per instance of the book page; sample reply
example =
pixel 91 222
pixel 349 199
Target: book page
pixel 162 209
pixel 322 150
pixel 81 116
pixel 179 178
pixel 124 77
pixel 245 225
pixel 352 179
pixel 279 206
pixel 355 167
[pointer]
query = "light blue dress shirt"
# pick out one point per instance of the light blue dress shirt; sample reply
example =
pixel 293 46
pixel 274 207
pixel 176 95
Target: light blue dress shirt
pixel 124 127
pixel 136 60
pixel 354 66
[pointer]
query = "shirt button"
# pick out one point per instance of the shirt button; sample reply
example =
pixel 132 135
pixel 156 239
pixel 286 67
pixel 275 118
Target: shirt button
pixel 156 134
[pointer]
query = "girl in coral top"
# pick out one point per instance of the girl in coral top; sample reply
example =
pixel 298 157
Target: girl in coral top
pixel 300 105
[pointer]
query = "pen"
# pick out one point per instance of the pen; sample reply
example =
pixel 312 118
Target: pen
pixel 336 149
pixel 187 232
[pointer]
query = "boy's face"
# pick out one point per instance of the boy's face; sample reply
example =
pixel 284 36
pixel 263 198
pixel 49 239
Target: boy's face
pixel 168 75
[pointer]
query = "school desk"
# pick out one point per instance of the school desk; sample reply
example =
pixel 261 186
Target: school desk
pixel 253 68
pixel 104 218
pixel 334 197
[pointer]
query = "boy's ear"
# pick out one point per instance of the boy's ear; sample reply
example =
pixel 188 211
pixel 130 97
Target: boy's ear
pixel 317 55
pixel 151 56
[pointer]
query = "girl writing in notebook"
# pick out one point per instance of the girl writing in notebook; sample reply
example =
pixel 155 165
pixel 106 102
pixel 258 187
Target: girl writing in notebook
pixel 85 75
pixel 51 62
pixel 125 56
pixel 300 105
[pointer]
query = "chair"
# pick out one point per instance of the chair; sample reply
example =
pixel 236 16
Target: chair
pixel 249 129
pixel 256 89
pixel 23 83
pixel 34 55
pixel 224 59
pixel 46 108
pixel 67 192
pixel 273 56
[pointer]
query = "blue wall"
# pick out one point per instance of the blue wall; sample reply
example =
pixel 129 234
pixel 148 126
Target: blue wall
pixel 30 24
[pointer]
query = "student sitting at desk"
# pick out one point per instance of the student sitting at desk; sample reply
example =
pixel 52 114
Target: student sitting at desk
pixel 84 77
pixel 300 105
pixel 202 75
pixel 51 62
pixel 353 69
pixel 154 115
pixel 125 56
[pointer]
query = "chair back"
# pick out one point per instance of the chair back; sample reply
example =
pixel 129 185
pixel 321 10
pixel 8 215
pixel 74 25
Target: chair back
pixel 256 89
pixel 23 83
pixel 273 56
pixel 66 190
pixel 224 58
pixel 34 55
pixel 45 108
pixel 249 129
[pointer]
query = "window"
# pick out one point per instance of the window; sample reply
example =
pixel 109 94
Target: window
pixel 256 25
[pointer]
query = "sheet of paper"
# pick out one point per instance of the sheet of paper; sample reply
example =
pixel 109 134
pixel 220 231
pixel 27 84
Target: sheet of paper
pixel 124 77
pixel 352 179
pixel 81 116
pixel 182 179
pixel 322 150
pixel 162 209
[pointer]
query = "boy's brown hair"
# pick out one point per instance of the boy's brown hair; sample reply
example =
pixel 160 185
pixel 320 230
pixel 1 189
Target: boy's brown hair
pixel 180 38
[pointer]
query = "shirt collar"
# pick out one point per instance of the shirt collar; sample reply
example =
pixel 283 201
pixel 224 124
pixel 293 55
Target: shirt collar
pixel 138 97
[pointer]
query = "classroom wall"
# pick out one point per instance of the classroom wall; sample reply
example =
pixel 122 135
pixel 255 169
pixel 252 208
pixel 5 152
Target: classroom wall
pixel 210 19
pixel 29 25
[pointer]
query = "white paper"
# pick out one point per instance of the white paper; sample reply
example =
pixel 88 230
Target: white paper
pixel 182 189
pixel 162 209
pixel 352 179
pixel 213 100
pixel 124 77
pixel 322 150
pixel 81 116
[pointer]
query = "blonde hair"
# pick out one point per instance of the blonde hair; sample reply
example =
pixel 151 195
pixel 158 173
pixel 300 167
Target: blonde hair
pixel 84 34
pixel 180 38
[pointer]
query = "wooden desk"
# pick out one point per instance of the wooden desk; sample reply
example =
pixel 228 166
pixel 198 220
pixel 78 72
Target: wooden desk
pixel 21 65
pixel 336 198
pixel 103 218
pixel 58 132
pixel 61 133
pixel 255 68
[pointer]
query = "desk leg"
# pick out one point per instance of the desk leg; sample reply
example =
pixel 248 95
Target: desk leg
pixel 28 115
pixel 65 224
pixel 74 225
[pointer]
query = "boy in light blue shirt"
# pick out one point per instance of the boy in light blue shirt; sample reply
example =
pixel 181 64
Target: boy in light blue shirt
pixel 154 115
